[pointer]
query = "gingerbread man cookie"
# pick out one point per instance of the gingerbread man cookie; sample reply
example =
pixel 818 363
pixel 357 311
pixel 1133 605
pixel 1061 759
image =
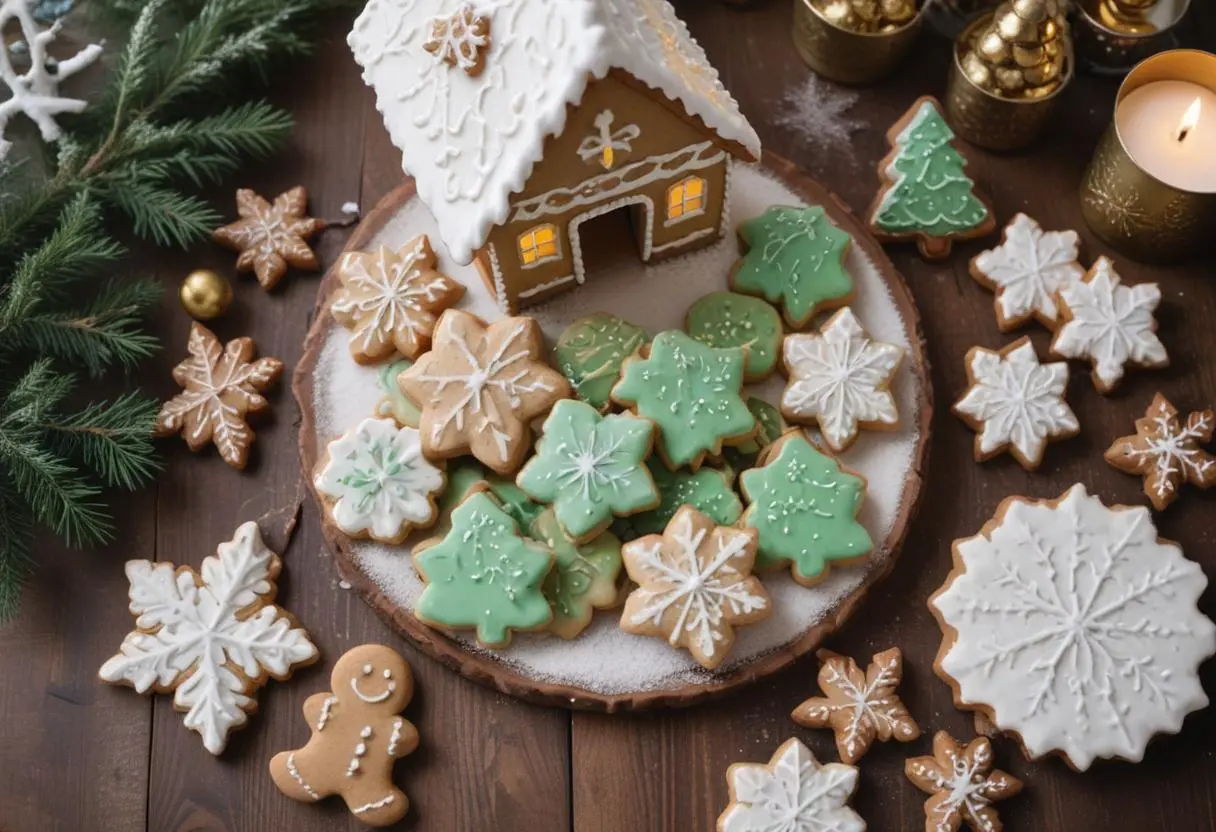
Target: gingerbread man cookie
pixel 357 734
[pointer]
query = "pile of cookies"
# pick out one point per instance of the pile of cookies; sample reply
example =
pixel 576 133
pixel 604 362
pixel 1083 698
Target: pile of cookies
pixel 622 468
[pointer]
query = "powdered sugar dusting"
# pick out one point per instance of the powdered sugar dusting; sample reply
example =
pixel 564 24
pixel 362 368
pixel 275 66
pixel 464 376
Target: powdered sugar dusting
pixel 605 659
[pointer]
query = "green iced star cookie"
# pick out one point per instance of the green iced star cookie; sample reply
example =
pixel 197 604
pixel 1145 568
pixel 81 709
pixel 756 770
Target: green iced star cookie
pixel 590 467
pixel 583 578
pixel 726 319
pixel 795 257
pixel 707 490
pixel 804 506
pixel 590 352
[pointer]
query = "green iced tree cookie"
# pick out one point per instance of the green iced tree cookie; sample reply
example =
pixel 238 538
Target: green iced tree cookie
pixel 707 490
pixel 396 404
pixel 590 352
pixel 590 467
pixel 795 257
pixel 929 195
pixel 583 578
pixel 484 575
pixel 726 319
pixel 692 392
pixel 522 508
pixel 805 510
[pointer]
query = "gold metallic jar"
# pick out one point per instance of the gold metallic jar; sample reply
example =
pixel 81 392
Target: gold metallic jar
pixel 846 56
pixel 1143 217
pixel 1106 46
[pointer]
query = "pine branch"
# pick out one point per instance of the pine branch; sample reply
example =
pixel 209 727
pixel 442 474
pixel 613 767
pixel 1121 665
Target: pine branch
pixel 16 539
pixel 112 439
pixel 168 217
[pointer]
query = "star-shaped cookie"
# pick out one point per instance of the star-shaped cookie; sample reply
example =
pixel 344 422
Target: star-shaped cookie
pixel 1167 452
pixel 271 237
pixel 962 784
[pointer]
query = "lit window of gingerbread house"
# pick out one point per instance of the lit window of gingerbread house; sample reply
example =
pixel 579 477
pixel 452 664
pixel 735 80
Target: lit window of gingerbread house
pixel 520 120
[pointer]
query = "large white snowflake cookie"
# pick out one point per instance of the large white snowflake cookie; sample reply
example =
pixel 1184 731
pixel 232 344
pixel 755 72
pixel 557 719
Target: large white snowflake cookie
pixel 211 637
pixel 376 483
pixel 792 792
pixel 1109 324
pixel 840 379
pixel 1074 626
pixel 1016 403
pixel 1026 271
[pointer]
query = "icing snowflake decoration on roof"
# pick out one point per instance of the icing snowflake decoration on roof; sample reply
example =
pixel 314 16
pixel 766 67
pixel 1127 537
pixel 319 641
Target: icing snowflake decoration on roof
pixel 470 141
pixel 1075 627
pixel 793 792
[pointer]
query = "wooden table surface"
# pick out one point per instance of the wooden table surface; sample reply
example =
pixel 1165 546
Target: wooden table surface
pixel 80 756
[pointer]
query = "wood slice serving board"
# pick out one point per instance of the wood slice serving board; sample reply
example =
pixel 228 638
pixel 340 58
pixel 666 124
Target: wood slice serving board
pixel 606 668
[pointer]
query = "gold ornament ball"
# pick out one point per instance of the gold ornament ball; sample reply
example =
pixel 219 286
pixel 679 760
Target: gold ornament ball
pixel 205 294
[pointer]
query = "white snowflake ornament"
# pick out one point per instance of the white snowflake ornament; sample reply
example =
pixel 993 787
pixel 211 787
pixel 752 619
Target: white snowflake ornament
pixel 1074 626
pixel 818 111
pixel 35 92
pixel 793 792
pixel 840 379
pixel 1016 403
pixel 1026 271
pixel 212 637
pixel 1109 324
pixel 376 482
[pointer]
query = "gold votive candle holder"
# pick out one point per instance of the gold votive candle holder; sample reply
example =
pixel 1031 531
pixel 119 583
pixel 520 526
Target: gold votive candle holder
pixel 1131 207
pixel 1106 45
pixel 844 55
pixel 991 121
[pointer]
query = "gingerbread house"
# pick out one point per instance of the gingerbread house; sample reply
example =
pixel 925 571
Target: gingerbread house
pixel 520 120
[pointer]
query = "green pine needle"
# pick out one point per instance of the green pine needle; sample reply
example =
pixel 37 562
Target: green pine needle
pixel 16 538
pixel 167 217
pixel 113 439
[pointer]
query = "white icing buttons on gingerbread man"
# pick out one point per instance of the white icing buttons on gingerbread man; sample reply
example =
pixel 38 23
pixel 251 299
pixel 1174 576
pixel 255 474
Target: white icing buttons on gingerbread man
pixel 357 733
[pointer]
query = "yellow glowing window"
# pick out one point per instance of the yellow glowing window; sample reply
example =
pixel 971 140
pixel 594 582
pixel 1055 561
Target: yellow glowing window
pixel 538 245
pixel 686 199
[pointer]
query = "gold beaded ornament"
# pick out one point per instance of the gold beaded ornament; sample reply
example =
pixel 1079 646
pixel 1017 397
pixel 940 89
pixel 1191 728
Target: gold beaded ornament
pixel 1023 52
pixel 868 15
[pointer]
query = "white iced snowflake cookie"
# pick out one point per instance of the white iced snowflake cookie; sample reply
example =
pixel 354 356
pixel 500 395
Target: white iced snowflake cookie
pixel 793 792
pixel 1074 626
pixel 839 378
pixel 376 483
pixel 1026 271
pixel 1109 324
pixel 211 637
pixel 1016 403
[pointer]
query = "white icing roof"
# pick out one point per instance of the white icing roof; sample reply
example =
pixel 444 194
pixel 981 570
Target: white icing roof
pixel 471 141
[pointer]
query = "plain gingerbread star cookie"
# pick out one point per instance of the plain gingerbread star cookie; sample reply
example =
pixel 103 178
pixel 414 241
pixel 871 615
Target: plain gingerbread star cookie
pixel 1167 452
pixel 357 735
pixel 962 784
pixel 1026 271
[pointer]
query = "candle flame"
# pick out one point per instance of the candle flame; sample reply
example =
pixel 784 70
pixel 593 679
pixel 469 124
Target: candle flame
pixel 1189 119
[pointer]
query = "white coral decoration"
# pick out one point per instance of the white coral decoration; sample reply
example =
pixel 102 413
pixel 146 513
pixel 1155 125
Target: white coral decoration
pixel 792 793
pixel 1028 268
pixel 36 91
pixel 1076 627
pixel 212 637
pixel 1110 324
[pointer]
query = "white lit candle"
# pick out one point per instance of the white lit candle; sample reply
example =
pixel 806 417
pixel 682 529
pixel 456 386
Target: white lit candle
pixel 1169 130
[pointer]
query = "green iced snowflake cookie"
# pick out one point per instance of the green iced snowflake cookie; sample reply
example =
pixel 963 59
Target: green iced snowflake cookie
pixel 395 404
pixel 590 467
pixel 726 319
pixel 706 490
pixel 795 257
pixel 483 574
pixel 804 506
pixel 590 353
pixel 692 392
pixel 584 576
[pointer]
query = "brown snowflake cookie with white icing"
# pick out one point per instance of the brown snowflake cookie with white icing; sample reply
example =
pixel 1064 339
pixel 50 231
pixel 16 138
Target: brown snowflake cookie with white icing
pixel 1167 452
pixel 859 707
pixel 479 388
pixel 961 784
pixel 271 237
pixel 357 735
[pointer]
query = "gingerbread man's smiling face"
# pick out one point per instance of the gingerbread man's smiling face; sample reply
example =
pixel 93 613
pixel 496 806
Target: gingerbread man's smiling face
pixel 373 676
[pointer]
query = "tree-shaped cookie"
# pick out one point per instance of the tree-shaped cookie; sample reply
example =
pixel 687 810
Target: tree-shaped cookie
pixel 804 505
pixel 962 785
pixel 695 585
pixel 591 467
pixel 484 575
pixel 794 257
pixel 271 237
pixel 389 300
pixel 221 385
pixel 926 195
pixel 859 707
pixel 583 578
pixel 693 392
pixel 480 386
pixel 357 735
pixel 727 319
pixel 590 353
pixel 211 637
pixel 1167 452
pixel 706 489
